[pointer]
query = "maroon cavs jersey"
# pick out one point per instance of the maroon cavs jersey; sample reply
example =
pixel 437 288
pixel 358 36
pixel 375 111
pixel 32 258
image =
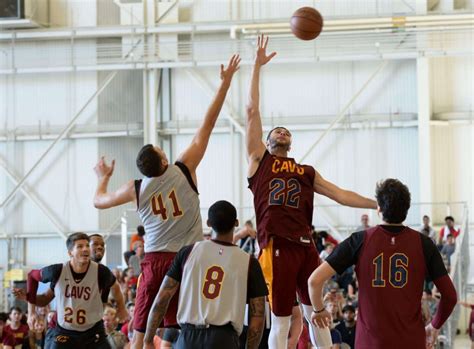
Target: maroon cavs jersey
pixel 283 199
pixel 391 270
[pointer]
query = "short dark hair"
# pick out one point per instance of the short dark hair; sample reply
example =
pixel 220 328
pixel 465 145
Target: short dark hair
pixel 18 309
pixel 95 235
pixel 393 198
pixel 149 161
pixel 221 216
pixel 3 317
pixel 141 230
pixel 426 216
pixel 273 129
pixel 348 307
pixel 428 291
pixel 449 235
pixel 71 239
pixel 449 218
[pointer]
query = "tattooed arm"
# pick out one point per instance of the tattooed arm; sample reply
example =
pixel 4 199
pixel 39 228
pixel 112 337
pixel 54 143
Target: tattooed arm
pixel 160 305
pixel 256 322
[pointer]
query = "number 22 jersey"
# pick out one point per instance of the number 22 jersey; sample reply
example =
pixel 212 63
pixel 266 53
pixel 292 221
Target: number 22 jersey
pixel 283 199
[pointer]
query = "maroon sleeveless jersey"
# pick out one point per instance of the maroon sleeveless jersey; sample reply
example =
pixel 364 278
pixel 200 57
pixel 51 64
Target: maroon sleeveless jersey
pixel 283 199
pixel 391 270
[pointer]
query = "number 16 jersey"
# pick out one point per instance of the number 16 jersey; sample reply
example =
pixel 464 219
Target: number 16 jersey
pixel 283 199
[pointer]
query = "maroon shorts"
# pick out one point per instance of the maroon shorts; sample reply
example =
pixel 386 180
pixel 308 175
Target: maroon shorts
pixel 286 267
pixel 155 265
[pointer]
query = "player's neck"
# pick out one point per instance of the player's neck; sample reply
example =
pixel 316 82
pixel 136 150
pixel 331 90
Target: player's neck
pixel 79 267
pixel 385 223
pixel 227 238
pixel 278 151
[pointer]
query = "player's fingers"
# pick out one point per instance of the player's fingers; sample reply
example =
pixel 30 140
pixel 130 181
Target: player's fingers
pixel 222 68
pixel 258 41
pixel 273 54
pixel 266 42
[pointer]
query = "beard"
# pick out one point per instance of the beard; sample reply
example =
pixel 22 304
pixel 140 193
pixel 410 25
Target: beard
pixel 276 144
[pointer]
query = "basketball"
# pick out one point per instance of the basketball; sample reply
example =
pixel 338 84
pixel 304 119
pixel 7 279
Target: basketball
pixel 306 23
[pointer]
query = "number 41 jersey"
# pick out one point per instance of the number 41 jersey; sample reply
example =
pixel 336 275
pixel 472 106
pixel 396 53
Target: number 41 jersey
pixel 283 199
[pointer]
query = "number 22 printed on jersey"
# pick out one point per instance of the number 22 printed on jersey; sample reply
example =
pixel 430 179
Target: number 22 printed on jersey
pixel 285 192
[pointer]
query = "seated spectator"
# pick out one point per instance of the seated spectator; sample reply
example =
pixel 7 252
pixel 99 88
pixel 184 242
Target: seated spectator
pixel 427 230
pixel 364 223
pixel 448 229
pixel 318 240
pixel 247 236
pixel 327 251
pixel 136 260
pixel 39 333
pixel 116 339
pixel 328 238
pixel 430 301
pixel 331 307
pixel 347 328
pixel 448 249
pixel 127 328
pixel 6 339
pixel 20 332
pixel 207 235
pixel 335 296
pixel 135 237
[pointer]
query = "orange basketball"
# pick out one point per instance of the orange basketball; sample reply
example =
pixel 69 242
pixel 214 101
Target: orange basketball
pixel 306 23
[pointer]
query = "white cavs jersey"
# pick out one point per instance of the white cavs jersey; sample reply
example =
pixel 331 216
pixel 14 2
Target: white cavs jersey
pixel 214 286
pixel 169 209
pixel 79 304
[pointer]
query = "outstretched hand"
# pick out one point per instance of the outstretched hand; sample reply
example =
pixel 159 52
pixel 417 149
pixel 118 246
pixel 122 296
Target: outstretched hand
pixel 103 170
pixel 261 58
pixel 19 293
pixel 232 67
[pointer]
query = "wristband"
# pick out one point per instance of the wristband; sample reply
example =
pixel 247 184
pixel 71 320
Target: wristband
pixel 319 311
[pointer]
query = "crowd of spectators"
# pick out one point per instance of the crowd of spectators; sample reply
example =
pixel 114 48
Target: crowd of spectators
pixel 341 295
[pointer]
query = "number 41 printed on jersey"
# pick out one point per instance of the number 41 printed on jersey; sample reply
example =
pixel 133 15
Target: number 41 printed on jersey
pixel 159 208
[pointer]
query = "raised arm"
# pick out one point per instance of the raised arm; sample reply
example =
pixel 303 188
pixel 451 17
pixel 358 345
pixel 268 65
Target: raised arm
pixel 341 196
pixel 194 153
pixel 158 310
pixel 104 199
pixel 255 145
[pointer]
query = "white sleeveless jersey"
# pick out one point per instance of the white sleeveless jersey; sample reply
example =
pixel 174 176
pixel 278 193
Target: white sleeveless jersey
pixel 79 304
pixel 169 210
pixel 213 287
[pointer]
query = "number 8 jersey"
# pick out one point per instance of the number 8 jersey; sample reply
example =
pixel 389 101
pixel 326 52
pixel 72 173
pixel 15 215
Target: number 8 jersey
pixel 283 199
pixel 214 285
pixel 79 304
